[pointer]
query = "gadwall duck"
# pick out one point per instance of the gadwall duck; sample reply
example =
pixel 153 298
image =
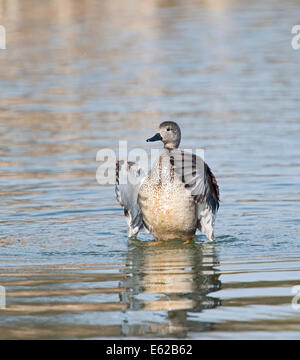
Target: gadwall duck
pixel 179 195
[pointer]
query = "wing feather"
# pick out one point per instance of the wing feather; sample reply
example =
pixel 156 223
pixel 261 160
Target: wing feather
pixel 202 184
pixel 129 177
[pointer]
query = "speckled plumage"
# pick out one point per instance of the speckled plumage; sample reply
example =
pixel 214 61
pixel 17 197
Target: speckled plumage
pixel 167 208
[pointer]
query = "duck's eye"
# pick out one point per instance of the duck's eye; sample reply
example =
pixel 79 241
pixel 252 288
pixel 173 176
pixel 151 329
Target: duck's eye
pixel 168 129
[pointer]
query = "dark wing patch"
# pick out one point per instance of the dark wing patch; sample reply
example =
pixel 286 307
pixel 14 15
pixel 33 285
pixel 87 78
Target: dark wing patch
pixel 212 193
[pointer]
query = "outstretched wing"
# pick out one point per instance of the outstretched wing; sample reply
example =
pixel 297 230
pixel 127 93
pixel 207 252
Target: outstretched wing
pixel 202 184
pixel 207 210
pixel 129 177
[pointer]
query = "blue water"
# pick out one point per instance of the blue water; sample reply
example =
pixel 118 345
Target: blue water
pixel 78 77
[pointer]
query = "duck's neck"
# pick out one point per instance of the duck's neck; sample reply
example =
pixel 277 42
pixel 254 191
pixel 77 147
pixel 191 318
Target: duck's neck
pixel 170 147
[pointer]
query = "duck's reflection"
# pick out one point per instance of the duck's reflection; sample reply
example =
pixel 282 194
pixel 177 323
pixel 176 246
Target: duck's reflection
pixel 166 282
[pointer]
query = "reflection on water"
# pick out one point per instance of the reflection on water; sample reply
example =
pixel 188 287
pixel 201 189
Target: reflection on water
pixel 78 76
pixel 161 282
pixel 172 278
pixel 167 289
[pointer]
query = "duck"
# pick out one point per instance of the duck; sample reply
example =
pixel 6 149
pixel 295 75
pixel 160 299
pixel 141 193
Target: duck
pixel 177 197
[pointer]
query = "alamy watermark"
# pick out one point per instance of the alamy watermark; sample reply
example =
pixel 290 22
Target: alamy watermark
pixel 2 298
pixel 186 163
pixel 296 39
pixel 2 37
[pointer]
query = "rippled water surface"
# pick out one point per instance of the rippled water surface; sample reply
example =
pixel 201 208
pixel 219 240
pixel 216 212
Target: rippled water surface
pixel 78 76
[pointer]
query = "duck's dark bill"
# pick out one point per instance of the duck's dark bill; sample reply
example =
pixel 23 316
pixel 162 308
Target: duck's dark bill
pixel 156 137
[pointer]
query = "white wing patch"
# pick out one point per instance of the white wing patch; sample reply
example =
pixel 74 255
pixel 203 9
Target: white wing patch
pixel 127 194
pixel 206 221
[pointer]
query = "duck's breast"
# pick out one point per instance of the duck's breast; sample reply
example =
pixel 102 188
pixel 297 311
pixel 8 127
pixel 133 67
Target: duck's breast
pixel 168 209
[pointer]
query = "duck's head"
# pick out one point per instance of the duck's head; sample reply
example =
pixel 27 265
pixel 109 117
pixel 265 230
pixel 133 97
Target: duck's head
pixel 169 133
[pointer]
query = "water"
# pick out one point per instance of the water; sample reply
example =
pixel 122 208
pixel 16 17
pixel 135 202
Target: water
pixel 79 76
